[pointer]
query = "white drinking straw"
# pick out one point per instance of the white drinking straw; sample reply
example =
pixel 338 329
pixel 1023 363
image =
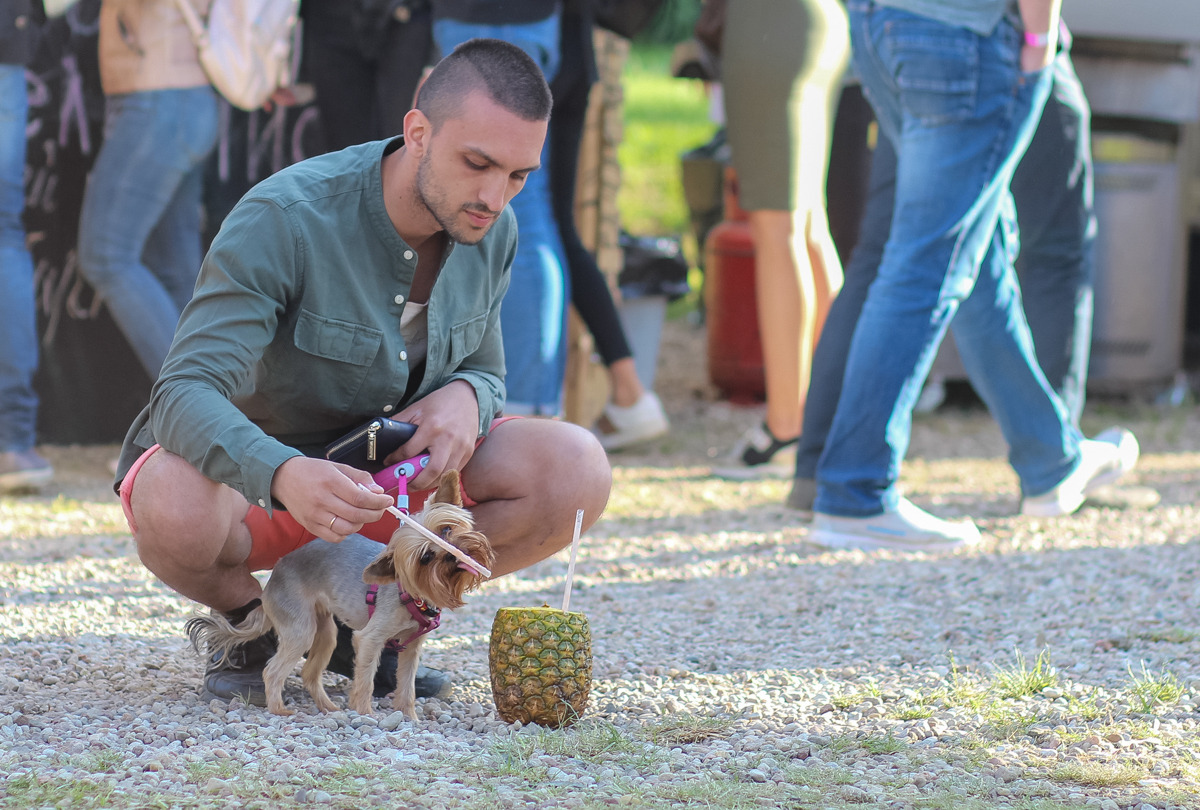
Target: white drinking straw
pixel 571 565
pixel 461 555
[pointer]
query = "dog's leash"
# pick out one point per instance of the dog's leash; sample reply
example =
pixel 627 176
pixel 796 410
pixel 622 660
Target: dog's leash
pixel 424 614
pixel 404 472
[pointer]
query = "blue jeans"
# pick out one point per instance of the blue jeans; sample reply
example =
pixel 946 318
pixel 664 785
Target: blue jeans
pixel 18 326
pixel 139 231
pixel 533 316
pixel 1052 188
pixel 960 113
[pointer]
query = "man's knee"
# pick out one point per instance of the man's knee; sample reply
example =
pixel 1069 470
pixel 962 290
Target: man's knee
pixel 183 519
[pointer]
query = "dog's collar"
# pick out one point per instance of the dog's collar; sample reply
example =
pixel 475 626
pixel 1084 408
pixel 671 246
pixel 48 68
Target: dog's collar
pixel 424 614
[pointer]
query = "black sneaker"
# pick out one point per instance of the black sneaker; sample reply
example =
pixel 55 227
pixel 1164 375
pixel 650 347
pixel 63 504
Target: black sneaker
pixel 759 455
pixel 429 682
pixel 240 674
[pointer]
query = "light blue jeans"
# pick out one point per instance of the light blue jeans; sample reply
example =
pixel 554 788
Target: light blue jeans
pixel 533 316
pixel 18 329
pixel 960 113
pixel 139 231
pixel 1053 191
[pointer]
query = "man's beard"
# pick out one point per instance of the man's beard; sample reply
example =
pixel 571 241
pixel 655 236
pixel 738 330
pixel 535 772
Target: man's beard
pixel 443 211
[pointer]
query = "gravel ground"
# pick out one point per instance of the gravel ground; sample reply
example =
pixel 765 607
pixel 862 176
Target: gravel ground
pixel 736 664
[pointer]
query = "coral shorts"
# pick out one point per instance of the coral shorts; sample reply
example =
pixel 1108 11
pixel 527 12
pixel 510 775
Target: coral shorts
pixel 275 534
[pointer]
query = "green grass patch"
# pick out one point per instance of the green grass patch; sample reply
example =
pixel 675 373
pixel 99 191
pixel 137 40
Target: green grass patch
pixel 1171 635
pixel 1021 680
pixel 1150 690
pixel 1099 774
pixel 884 745
pixel 686 729
pixel 31 791
pixel 664 117
pixel 912 713
pixel 713 792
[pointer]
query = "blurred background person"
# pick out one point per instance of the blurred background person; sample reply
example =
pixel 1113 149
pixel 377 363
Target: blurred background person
pixel 140 227
pixel 782 62
pixel 364 63
pixel 1053 192
pixel 632 414
pixel 21 467
pixel 533 317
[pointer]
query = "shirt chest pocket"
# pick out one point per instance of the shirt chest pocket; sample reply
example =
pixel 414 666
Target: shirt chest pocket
pixel 465 338
pixel 344 353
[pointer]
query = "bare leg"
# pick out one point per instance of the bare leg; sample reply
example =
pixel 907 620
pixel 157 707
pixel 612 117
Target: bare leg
pixel 529 478
pixel 786 299
pixel 192 533
pixel 626 385
pixel 826 266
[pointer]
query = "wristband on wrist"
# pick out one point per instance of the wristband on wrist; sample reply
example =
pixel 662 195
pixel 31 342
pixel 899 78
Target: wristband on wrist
pixel 1037 40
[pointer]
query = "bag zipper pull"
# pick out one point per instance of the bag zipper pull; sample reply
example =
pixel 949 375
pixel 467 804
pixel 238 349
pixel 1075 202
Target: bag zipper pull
pixel 372 429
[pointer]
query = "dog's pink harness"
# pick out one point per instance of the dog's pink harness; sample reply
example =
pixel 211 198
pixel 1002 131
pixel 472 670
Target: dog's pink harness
pixel 424 614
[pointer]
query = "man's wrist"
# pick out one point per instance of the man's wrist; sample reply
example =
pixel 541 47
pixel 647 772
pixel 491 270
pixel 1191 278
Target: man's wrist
pixel 1034 40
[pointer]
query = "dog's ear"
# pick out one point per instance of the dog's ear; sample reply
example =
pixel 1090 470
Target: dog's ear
pixel 382 570
pixel 449 489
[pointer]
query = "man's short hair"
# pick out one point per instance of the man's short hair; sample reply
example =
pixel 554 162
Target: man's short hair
pixel 498 68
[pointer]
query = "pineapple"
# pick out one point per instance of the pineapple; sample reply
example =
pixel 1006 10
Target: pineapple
pixel 541 665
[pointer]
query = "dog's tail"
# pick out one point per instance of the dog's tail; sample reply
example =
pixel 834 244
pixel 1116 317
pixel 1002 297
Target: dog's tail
pixel 214 635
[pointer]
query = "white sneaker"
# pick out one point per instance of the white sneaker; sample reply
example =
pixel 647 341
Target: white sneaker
pixel 908 528
pixel 619 427
pixel 1102 461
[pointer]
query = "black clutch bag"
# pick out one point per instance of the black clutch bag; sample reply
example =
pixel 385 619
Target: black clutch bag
pixel 367 446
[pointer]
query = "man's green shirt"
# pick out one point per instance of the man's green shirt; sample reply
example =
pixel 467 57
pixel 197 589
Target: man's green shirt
pixel 292 337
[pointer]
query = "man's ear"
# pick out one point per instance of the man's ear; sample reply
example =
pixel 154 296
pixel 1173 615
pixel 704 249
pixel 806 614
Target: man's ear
pixel 417 131
pixel 382 570
pixel 449 489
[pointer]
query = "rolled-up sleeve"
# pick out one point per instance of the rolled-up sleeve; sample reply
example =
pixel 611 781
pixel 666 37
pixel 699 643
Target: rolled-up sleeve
pixel 251 270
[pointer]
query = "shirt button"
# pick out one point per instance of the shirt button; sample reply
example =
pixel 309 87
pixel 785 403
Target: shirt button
pixel 387 408
pixel 408 254
pixel 399 299
pixel 262 503
pixel 403 355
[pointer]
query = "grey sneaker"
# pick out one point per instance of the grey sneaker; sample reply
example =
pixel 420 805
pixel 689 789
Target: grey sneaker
pixel 908 528
pixel 804 492
pixel 23 470
pixel 1102 461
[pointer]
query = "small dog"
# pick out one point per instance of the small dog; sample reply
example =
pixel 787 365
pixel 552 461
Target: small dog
pixel 321 580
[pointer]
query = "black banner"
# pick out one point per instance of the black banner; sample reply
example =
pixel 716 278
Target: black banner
pixel 90 383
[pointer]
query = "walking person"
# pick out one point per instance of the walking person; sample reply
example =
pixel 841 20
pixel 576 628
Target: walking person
pixel 959 91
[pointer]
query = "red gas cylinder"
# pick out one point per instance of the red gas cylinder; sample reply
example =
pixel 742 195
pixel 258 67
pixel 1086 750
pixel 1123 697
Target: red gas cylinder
pixel 735 361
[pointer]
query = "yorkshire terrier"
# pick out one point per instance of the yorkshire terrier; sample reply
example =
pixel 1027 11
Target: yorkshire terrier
pixel 321 580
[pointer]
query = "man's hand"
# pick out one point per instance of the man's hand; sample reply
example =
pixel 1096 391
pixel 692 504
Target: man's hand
pixel 331 500
pixel 447 425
